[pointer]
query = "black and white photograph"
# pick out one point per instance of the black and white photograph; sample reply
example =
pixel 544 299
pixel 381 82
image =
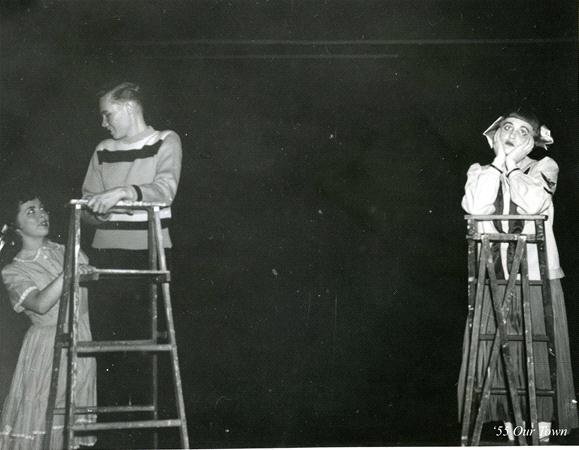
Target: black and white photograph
pixel 288 224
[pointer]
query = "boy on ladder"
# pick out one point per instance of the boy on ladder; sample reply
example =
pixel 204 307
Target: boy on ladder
pixel 138 163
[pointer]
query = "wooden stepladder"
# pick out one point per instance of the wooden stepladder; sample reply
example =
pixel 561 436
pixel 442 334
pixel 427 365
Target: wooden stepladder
pixel 481 276
pixel 66 338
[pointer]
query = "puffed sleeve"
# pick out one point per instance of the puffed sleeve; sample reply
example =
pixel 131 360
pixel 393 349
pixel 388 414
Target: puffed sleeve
pixel 167 172
pixel 82 256
pixel 533 192
pixel 18 285
pixel 481 189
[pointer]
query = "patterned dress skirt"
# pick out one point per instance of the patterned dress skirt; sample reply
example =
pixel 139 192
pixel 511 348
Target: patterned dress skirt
pixel 22 425
pixel 499 407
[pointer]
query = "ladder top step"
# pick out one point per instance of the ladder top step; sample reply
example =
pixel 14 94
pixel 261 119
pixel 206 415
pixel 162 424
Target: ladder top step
pixel 126 204
pixel 505 217
pixel 163 275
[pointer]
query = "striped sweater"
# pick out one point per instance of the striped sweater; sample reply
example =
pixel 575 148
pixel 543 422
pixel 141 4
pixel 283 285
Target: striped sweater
pixel 150 160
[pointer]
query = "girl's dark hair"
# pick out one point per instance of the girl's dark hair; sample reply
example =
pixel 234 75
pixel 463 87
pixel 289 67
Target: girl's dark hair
pixel 11 241
pixel 125 91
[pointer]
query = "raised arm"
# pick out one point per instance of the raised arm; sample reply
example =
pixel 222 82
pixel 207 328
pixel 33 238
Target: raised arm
pixel 43 301
pixel 25 294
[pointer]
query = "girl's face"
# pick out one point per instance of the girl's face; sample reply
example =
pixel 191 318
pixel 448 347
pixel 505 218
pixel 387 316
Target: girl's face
pixel 32 219
pixel 515 134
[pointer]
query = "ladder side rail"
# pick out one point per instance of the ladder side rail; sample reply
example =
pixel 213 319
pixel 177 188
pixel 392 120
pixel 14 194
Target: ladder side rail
pixel 73 311
pixel 474 344
pixel 61 337
pixel 501 309
pixel 471 288
pixel 177 384
pixel 472 266
pixel 529 350
pixel 153 296
pixel 548 313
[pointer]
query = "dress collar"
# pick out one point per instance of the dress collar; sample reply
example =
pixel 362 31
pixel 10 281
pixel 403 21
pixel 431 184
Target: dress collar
pixel 36 255
pixel 526 163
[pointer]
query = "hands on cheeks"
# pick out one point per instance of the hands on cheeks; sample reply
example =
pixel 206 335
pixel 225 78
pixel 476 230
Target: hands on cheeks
pixel 501 155
pixel 101 203
pixel 517 154
pixel 507 158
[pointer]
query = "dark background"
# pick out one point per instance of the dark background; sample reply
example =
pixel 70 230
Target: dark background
pixel 320 262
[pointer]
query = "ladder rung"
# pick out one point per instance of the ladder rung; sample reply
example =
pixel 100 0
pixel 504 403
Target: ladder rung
pixel 108 409
pixel 122 346
pixel 518 282
pixel 63 341
pixel 519 337
pixel 499 237
pixel 520 391
pixel 99 274
pixel 127 425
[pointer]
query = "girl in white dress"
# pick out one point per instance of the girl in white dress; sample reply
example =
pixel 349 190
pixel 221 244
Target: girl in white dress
pixel 32 273
pixel 514 183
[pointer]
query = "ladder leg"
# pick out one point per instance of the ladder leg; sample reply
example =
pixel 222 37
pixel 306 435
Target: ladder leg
pixel 548 315
pixel 471 287
pixel 474 344
pixel 153 296
pixel 73 306
pixel 56 360
pixel 175 363
pixel 178 387
pixel 60 337
pixel 154 364
pixel 529 351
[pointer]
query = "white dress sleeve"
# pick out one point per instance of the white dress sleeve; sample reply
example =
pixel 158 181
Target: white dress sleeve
pixel 481 189
pixel 533 192
pixel 18 285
